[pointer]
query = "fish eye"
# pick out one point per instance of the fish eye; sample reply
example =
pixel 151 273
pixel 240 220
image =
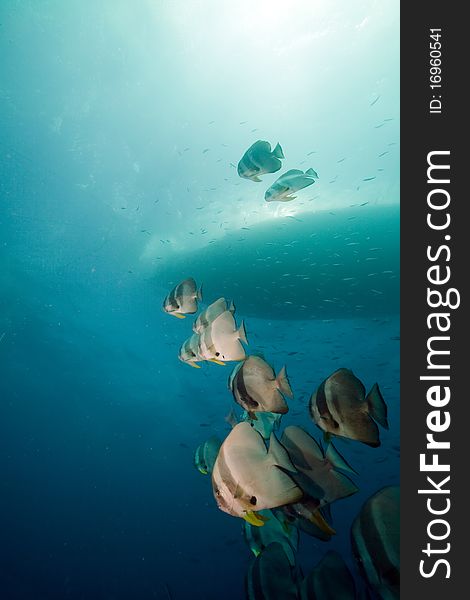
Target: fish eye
pixel 253 500
pixel 217 353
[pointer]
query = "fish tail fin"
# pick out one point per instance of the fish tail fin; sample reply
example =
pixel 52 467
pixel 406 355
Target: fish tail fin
pixel 312 173
pixel 377 406
pixel 277 152
pixel 242 333
pixel 337 460
pixel 199 293
pixel 282 382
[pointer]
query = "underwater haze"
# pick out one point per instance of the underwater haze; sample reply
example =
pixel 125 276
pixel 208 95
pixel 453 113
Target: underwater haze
pixel 122 123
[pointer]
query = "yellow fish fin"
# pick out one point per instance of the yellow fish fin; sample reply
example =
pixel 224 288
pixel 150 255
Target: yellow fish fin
pixel 193 364
pixel 254 518
pixel 318 520
pixel 217 362
pixel 178 315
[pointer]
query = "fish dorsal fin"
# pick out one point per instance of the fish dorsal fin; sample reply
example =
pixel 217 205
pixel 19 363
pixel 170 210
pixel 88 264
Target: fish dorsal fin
pixel 337 460
pixel 189 282
pixel 249 440
pixel 312 173
pixel 219 304
pixel 224 324
pixel 291 172
pixel 303 442
pixel 377 406
pixel 279 455
pixel 283 384
pixel 277 152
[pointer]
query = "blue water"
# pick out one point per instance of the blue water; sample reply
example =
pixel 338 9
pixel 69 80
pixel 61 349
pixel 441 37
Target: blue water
pixel 119 123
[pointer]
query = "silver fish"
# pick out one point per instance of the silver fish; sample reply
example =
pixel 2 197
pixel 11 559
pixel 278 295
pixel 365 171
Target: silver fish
pixel 211 313
pixel 256 387
pixel 238 488
pixel 189 351
pixel 288 183
pixel 340 407
pixel 183 299
pixel 259 160
pixel 221 340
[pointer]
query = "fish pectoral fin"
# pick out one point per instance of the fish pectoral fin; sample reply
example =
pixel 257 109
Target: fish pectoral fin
pixel 256 178
pixel 178 315
pixel 254 518
pixel 287 198
pixel 217 362
pixel 317 519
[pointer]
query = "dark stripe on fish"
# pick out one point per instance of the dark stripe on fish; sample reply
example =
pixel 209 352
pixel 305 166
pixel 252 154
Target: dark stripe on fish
pixel 322 405
pixel 321 402
pixel 172 301
pixel 241 389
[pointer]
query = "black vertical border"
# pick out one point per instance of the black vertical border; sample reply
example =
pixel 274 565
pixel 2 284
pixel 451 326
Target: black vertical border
pixel 422 132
